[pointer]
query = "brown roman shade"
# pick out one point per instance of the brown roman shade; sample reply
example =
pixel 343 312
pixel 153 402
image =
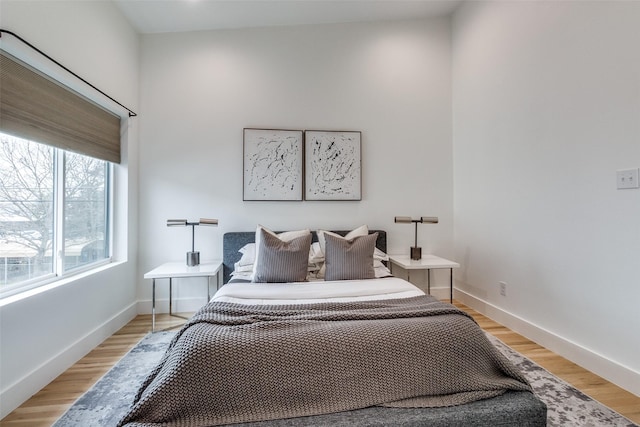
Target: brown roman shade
pixel 34 107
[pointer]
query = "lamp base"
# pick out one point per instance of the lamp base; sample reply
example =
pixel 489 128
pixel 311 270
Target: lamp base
pixel 193 258
pixel 416 253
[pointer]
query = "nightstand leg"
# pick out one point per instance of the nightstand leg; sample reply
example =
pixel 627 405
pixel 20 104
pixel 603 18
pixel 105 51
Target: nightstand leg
pixel 451 285
pixel 208 289
pixel 170 298
pixel 153 306
pixel 429 281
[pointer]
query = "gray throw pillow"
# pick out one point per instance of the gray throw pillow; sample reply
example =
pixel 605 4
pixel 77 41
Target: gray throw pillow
pixel 349 259
pixel 280 261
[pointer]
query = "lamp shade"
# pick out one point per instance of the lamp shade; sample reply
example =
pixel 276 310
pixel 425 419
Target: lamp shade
pixel 429 219
pixel 207 221
pixel 403 219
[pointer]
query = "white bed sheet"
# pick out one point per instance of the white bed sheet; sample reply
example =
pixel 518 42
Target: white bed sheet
pixel 316 291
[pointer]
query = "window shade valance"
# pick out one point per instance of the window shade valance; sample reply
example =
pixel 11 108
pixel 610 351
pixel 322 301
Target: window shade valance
pixel 34 107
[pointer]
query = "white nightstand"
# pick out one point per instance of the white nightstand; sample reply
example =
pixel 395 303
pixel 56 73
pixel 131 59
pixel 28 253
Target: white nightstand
pixel 428 262
pixel 172 270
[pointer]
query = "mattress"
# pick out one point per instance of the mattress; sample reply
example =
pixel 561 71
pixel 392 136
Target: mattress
pixel 316 291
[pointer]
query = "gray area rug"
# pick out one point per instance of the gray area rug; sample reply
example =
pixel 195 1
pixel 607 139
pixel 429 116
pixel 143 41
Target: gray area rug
pixel 108 400
pixel 566 405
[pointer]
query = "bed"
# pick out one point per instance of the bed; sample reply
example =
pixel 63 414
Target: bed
pixel 362 352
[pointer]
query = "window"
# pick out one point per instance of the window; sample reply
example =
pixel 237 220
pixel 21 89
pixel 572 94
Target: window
pixel 54 213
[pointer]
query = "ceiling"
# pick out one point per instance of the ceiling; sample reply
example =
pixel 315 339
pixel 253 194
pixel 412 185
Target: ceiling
pixel 165 16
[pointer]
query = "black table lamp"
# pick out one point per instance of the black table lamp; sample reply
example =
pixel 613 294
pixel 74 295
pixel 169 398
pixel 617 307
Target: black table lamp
pixel 193 257
pixel 416 252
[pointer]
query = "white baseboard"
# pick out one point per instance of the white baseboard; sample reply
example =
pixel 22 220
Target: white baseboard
pixel 14 395
pixel 612 371
pixel 440 293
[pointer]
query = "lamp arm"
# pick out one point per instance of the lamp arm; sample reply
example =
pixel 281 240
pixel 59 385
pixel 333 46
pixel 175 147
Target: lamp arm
pixel 416 235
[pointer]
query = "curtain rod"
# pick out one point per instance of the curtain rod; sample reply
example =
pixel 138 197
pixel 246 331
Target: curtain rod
pixel 131 113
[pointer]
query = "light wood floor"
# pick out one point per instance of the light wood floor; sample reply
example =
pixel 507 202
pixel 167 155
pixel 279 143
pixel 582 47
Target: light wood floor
pixel 44 408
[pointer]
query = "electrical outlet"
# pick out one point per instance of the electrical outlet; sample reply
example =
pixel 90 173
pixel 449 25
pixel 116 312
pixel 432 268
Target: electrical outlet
pixel 627 178
pixel 503 288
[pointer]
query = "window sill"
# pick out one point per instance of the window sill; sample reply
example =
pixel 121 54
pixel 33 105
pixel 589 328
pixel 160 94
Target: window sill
pixel 55 283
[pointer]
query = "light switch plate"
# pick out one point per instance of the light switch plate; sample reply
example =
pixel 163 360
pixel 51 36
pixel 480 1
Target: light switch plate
pixel 627 178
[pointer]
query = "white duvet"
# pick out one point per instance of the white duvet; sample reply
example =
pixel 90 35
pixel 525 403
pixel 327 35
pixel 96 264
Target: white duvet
pixel 316 291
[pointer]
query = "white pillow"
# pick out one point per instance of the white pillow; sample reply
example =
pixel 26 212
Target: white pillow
pixel 286 236
pixel 315 254
pixel 380 269
pixel 379 255
pixel 248 252
pixel 237 268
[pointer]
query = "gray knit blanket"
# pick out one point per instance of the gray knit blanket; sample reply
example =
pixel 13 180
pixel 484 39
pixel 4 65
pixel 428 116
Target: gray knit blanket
pixel 235 363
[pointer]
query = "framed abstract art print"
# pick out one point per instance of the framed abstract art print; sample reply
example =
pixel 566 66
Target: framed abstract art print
pixel 333 165
pixel 272 163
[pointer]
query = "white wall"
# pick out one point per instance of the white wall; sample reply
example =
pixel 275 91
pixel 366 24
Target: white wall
pixel 392 81
pixel 546 109
pixel 44 334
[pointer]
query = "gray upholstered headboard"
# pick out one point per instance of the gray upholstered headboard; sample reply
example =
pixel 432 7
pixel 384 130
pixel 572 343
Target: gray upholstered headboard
pixel 234 241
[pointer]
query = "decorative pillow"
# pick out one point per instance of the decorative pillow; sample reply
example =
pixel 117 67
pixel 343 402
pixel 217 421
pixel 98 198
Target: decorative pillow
pixel 349 259
pixel 281 261
pixel 248 258
pixel 285 236
pixel 363 230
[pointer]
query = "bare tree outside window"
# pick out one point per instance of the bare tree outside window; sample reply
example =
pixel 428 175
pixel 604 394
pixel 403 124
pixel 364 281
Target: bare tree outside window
pixel 28 233
pixel 26 209
pixel 84 210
